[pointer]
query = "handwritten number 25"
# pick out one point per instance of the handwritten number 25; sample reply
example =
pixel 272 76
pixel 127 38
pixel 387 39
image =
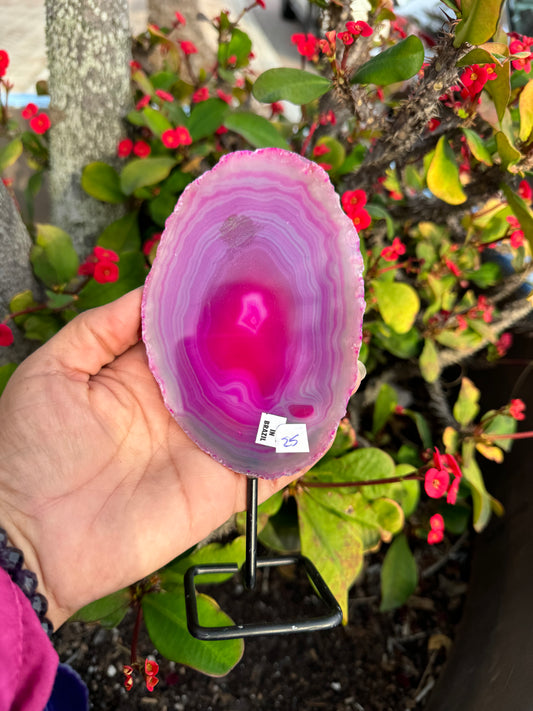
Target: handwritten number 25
pixel 290 442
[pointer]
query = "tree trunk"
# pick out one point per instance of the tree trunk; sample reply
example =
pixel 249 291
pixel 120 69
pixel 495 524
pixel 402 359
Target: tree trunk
pixel 17 275
pixel 89 49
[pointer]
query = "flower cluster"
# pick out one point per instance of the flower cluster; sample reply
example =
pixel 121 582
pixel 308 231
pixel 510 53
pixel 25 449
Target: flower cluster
pixel 517 409
pixel 437 478
pixel 436 532
pixel 474 78
pixel 4 62
pixel 150 674
pixel 516 237
pixel 39 122
pixel 101 264
pixel 393 251
pixel 521 44
pixel 308 45
pixel 175 137
pixel 353 202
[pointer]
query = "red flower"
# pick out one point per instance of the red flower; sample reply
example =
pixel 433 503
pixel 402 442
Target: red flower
pixel 353 200
pixel 451 496
pixel 124 148
pixel 359 28
pixel 128 683
pixel 261 3
pixel 361 219
pixel 435 536
pixel 306 45
pixel 29 111
pixel 452 266
pixel 524 190
pixel 6 335
pixel 201 94
pixel 504 342
pixel 521 43
pixel 188 47
pixel 180 20
pixel 436 522
pixel 326 166
pixel 40 123
pixel 105 272
pixel 394 251
pixel 105 255
pixel 346 38
pixel 517 239
pixel 174 137
pixel 4 62
pixel 141 149
pixel 474 78
pixel 517 408
pixel 320 150
pixel 164 95
pixel 221 130
pixel 143 102
pixel 276 107
pixel 228 98
pixel 135 66
pixel 436 482
pixel 150 667
pixel 148 245
pixel 151 682
pixel 128 671
pixel 433 124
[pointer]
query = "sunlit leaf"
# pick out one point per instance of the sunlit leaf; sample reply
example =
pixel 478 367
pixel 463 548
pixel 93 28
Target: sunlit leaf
pixel 443 175
pixel 525 105
pixel 397 63
pixel 101 181
pixel 398 304
pixel 294 85
pixel 479 22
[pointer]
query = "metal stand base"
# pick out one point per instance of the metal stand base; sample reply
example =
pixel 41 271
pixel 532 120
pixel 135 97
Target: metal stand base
pixel 331 619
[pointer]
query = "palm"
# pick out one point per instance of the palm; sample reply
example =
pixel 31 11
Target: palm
pixel 119 489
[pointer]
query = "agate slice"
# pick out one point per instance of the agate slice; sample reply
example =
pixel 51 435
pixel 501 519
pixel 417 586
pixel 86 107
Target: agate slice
pixel 252 312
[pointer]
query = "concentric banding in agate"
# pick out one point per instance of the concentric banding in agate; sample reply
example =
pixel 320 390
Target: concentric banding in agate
pixel 260 249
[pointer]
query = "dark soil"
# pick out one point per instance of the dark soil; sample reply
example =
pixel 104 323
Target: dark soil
pixel 378 662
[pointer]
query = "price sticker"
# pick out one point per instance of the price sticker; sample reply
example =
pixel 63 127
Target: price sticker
pixel 291 438
pixel 266 432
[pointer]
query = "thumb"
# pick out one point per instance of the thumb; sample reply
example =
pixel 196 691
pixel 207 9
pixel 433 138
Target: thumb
pixel 96 337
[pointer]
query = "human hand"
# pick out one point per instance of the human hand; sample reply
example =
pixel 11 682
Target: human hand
pixel 99 486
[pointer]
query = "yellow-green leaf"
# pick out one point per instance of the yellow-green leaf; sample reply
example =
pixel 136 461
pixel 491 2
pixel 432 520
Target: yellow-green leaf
pixel 491 452
pixel 479 23
pixel 466 406
pixel 509 154
pixel 477 147
pixel 525 106
pixel 398 304
pixel 429 361
pixel 10 153
pixel 521 211
pixel 443 175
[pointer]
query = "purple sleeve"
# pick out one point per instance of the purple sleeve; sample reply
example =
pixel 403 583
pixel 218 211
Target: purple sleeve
pixel 28 662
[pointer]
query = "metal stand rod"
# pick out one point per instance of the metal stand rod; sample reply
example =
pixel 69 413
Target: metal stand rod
pixel 250 565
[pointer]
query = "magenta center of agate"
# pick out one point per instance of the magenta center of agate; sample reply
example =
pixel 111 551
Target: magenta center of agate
pixel 242 333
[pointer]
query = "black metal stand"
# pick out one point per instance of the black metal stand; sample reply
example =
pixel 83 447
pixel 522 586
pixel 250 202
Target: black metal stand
pixel 332 618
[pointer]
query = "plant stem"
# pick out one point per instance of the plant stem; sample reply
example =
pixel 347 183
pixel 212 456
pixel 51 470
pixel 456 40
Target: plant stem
pixel 135 635
pixel 516 435
pixel 367 482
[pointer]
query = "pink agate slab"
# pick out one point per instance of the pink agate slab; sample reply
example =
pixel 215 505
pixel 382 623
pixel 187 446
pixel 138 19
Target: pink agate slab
pixel 254 304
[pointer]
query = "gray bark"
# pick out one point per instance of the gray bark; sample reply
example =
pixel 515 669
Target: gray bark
pixel 16 275
pixel 89 49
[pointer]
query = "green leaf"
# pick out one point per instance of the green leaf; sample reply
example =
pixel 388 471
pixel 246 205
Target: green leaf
pixel 161 207
pixel 466 407
pixel 500 425
pixel 398 304
pixel 386 401
pixel 402 345
pixel 333 544
pixel 234 552
pixel 521 211
pixel 366 463
pixel 239 46
pixel 206 117
pixel 122 235
pixel 294 85
pixel 10 153
pixel 398 63
pixel 55 300
pixel 406 493
pixel 40 327
pixel 53 257
pixel 477 146
pixel 336 153
pixel 488 274
pixel 166 622
pixel 508 153
pixel 399 575
pixel 390 517
pixel 156 121
pixel 6 371
pixel 480 497
pixel 108 611
pixel 380 213
pixel 525 106
pixel 257 130
pixel 479 22
pixel 429 361
pixel 443 175
pixel 144 171
pixel 101 181
pixel 345 440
